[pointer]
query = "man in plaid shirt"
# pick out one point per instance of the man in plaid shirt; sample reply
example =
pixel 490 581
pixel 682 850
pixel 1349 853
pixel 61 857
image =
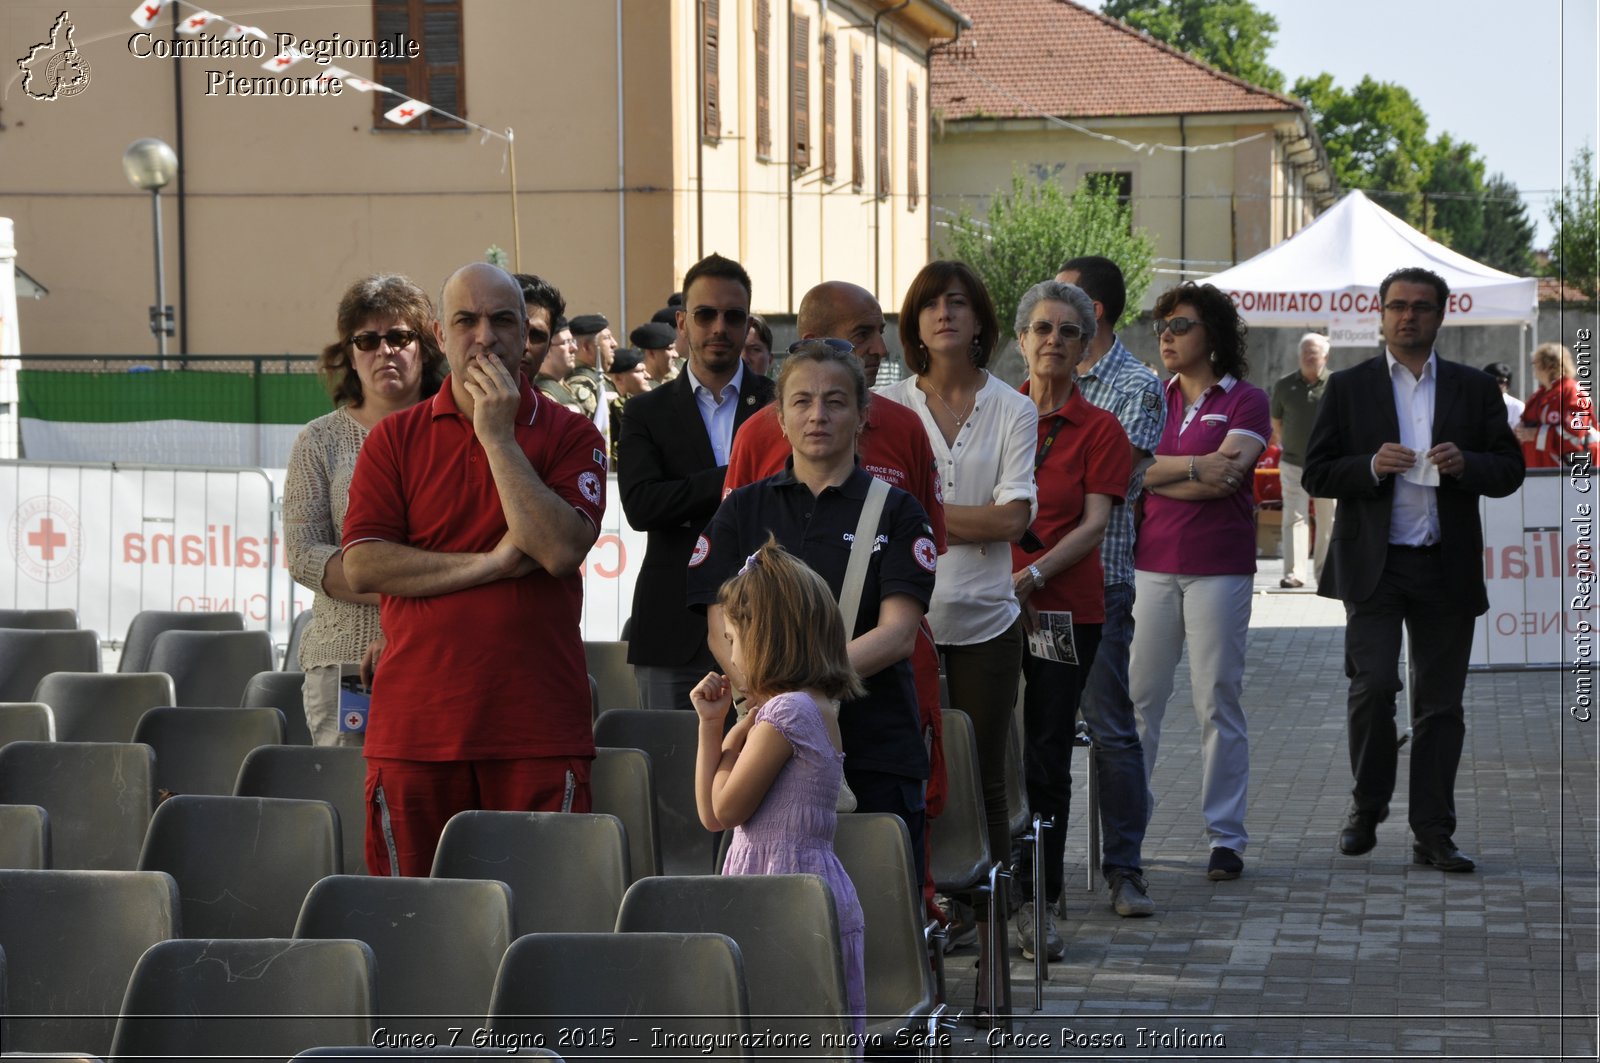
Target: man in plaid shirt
pixel 1112 379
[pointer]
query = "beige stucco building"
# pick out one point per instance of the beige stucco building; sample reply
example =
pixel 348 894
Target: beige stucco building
pixel 791 134
pixel 1063 92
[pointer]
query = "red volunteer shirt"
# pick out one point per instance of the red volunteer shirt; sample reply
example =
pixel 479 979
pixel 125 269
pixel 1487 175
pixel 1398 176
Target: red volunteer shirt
pixel 494 671
pixel 1090 456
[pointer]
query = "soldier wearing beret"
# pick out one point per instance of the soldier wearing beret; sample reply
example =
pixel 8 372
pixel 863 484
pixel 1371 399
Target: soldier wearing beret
pixel 586 380
pixel 657 346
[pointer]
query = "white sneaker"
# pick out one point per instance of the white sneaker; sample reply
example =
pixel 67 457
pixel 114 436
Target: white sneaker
pixel 1054 947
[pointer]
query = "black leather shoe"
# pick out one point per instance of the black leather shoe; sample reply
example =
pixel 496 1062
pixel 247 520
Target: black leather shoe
pixel 1442 854
pixel 1360 831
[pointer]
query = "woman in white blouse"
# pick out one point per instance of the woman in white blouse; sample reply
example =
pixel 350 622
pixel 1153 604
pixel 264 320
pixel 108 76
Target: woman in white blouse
pixel 386 358
pixel 983 435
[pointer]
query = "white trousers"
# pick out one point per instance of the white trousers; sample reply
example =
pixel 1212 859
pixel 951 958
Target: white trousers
pixel 1212 615
pixel 1296 517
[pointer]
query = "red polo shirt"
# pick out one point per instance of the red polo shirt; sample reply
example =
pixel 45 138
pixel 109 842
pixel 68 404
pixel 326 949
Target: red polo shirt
pixel 1090 456
pixel 1216 536
pixel 494 671
pixel 893 447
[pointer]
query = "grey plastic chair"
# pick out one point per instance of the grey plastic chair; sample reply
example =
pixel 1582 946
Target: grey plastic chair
pixel 198 751
pixel 671 740
pixel 567 870
pixel 243 864
pixel 26 721
pixel 621 784
pixel 40 619
pixel 875 850
pixel 284 691
pixel 608 663
pixel 335 774
pixel 270 998
pixel 99 796
pixel 437 942
pixel 24 838
pixel 28 656
pixel 144 628
pixel 633 986
pixel 297 634
pixel 787 930
pixel 211 667
pixel 102 706
pixel 72 938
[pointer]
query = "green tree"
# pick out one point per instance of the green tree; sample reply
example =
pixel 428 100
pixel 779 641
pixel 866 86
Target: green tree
pixel 1376 137
pixel 1031 228
pixel 1232 35
pixel 1575 216
pixel 1507 230
pixel 1454 195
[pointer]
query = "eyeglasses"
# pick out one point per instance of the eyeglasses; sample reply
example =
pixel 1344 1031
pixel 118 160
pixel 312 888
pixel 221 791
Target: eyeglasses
pixel 1044 329
pixel 706 316
pixel 842 346
pixel 1179 325
pixel 1420 309
pixel 396 338
pixel 537 336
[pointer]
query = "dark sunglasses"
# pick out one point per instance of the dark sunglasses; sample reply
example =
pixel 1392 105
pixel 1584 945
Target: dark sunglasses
pixel 1179 325
pixel 706 316
pixel 842 346
pixel 396 338
pixel 1044 329
pixel 537 336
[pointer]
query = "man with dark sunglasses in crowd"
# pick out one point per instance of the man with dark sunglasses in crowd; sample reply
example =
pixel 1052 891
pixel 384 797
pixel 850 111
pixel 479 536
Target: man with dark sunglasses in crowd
pixel 671 460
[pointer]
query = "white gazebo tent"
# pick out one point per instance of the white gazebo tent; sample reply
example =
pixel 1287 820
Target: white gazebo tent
pixel 1328 273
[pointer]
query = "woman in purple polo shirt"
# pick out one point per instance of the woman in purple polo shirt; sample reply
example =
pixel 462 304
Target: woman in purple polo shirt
pixel 1196 555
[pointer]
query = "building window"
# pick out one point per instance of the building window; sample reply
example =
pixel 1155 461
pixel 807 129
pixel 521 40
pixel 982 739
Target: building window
pixel 710 71
pixel 763 80
pixel 858 167
pixel 800 93
pixel 437 76
pixel 830 124
pixel 882 132
pixel 913 134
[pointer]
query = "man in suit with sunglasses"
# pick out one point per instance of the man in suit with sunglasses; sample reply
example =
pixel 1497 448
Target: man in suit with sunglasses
pixel 1408 442
pixel 671 460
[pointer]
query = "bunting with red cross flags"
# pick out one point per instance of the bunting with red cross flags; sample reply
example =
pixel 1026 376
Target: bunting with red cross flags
pixel 145 15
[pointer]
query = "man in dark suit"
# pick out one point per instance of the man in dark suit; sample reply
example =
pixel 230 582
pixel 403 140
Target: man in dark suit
pixel 1407 442
pixel 671 461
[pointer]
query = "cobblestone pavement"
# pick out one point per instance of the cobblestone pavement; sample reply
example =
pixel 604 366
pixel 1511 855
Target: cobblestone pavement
pixel 1315 955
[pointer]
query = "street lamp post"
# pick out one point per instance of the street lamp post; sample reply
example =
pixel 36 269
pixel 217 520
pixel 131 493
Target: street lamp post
pixel 150 164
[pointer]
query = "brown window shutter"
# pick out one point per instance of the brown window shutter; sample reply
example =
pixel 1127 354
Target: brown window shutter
pixel 913 135
pixel 858 169
pixel 830 123
pixel 800 94
pixel 882 131
pixel 711 115
pixel 437 76
pixel 763 80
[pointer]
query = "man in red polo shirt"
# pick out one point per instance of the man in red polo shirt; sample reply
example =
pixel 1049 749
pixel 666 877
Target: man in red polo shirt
pixel 471 514
pixel 893 447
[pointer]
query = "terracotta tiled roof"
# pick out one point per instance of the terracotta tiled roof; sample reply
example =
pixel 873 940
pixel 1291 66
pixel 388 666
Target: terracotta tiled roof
pixel 1022 58
pixel 1556 290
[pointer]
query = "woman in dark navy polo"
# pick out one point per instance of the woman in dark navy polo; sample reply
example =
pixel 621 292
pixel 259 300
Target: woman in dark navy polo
pixel 813 508
pixel 1196 556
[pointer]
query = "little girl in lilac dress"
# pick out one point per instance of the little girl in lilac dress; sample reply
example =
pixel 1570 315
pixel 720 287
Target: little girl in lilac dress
pixel 775 777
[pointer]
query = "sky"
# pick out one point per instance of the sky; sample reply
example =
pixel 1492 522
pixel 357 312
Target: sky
pixel 1517 78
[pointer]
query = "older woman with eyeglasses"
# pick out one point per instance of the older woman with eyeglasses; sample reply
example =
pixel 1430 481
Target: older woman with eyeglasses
pixel 815 509
pixel 385 360
pixel 1196 555
pixel 1082 465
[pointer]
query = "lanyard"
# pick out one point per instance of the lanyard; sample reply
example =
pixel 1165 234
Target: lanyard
pixel 1049 441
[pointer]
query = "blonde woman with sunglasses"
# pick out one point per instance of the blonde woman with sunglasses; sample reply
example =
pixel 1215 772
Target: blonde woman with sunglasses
pixel 1195 560
pixel 385 359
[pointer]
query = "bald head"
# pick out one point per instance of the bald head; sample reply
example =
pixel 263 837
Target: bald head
pixel 481 312
pixel 849 312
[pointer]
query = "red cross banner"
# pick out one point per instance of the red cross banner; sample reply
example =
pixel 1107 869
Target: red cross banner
pixel 283 61
pixel 405 112
pixel 196 23
pixel 145 15
pixel 236 32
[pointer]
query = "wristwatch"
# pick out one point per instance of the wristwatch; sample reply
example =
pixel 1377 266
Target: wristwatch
pixel 1038 577
pixel 1192 474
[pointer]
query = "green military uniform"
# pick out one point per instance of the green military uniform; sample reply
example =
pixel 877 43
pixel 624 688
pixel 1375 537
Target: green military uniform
pixel 616 426
pixel 557 392
pixel 584 384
